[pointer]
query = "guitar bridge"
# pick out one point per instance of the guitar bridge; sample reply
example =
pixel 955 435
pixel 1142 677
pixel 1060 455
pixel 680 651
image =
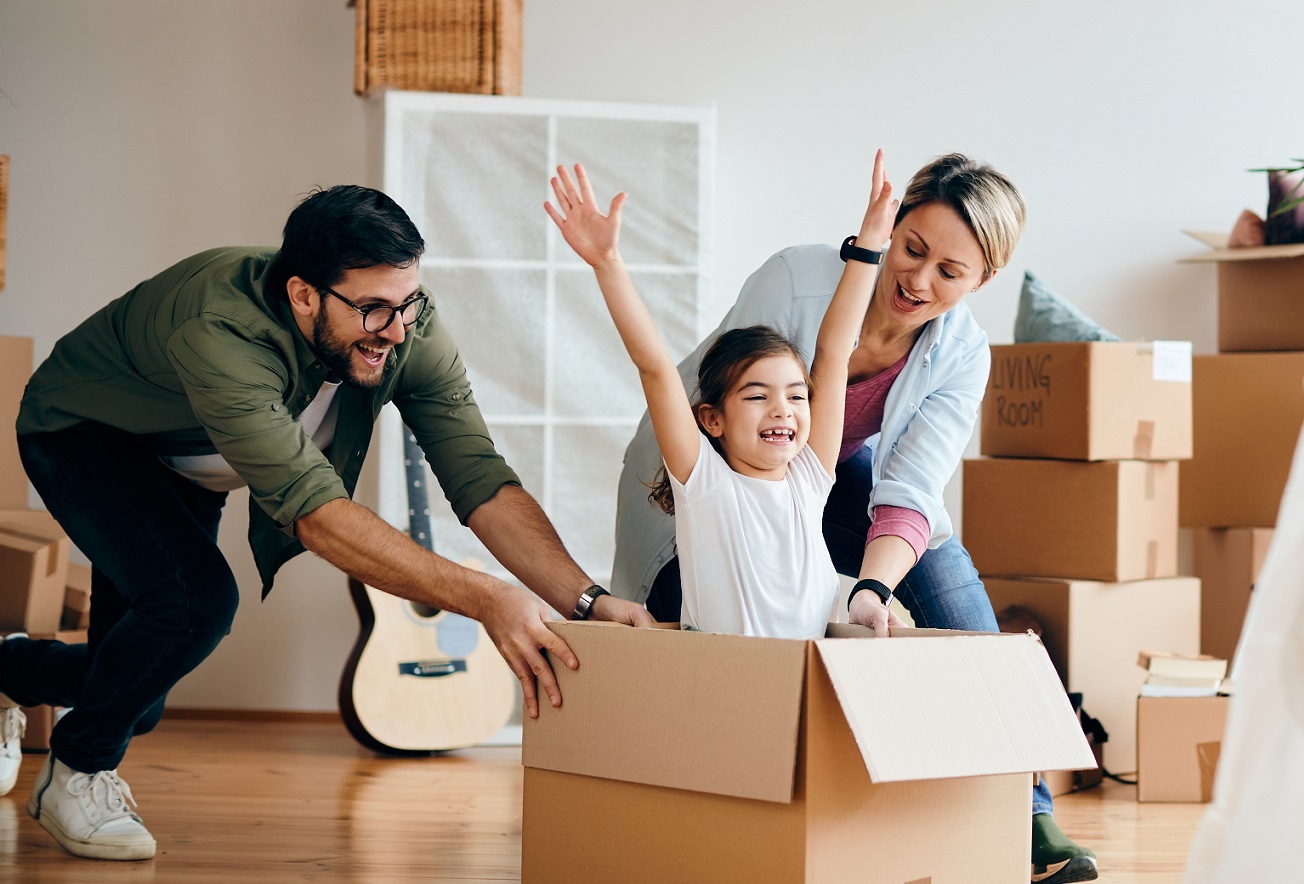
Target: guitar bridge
pixel 431 668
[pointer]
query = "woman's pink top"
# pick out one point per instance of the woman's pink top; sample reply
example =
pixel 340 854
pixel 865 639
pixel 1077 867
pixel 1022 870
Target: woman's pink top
pixel 864 418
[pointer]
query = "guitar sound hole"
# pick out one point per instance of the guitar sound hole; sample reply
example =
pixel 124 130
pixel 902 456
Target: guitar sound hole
pixel 423 610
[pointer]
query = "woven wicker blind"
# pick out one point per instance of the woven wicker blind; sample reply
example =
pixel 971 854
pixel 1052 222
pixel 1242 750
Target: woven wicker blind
pixel 4 213
pixel 439 46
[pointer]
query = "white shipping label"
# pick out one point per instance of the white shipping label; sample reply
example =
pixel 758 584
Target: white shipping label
pixel 1173 361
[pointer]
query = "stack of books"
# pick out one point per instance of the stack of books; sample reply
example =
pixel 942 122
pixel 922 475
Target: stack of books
pixel 1183 675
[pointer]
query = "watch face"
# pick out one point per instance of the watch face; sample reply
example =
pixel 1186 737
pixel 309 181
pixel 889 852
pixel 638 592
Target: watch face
pixel 585 603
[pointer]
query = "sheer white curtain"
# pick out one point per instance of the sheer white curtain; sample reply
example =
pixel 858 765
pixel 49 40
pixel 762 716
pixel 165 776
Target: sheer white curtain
pixel 1251 831
pixel 560 395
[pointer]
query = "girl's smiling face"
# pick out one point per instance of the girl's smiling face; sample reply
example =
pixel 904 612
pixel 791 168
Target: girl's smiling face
pixel 765 419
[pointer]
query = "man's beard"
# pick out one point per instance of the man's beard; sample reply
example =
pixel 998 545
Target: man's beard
pixel 337 355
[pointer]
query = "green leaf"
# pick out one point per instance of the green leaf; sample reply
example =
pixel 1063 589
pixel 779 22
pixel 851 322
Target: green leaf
pixel 1287 206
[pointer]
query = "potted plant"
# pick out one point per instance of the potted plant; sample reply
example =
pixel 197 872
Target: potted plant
pixel 1285 215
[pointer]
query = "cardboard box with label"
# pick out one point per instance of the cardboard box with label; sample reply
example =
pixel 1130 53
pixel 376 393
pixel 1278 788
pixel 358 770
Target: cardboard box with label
pixel 1178 741
pixel 15 371
pixel 1107 520
pixel 1260 294
pixel 1089 401
pixel 692 757
pixel 1227 561
pixel 33 571
pixel 1249 408
pixel 1093 633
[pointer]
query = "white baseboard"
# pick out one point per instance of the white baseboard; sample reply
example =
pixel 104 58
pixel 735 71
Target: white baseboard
pixel 508 736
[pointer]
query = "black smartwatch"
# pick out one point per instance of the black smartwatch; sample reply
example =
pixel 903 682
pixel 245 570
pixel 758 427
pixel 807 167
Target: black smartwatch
pixel 852 252
pixel 878 587
pixel 584 607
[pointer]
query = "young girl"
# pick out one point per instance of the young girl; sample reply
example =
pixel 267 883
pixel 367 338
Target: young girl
pixel 750 465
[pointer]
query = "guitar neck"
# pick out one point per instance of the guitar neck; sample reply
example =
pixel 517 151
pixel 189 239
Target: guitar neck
pixel 419 524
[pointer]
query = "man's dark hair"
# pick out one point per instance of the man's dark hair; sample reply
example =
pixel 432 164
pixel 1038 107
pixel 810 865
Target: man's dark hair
pixel 345 228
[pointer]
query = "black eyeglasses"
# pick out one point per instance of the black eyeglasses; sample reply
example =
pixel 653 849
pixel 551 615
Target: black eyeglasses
pixel 378 317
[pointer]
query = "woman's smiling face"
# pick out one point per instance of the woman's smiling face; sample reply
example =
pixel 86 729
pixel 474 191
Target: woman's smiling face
pixel 933 262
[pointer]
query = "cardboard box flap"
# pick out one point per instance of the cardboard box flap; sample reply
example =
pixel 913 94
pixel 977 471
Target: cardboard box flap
pixel 957 706
pixel 743 696
pixel 34 523
pixel 1217 242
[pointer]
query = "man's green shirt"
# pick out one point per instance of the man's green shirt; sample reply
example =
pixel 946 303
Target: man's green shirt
pixel 206 357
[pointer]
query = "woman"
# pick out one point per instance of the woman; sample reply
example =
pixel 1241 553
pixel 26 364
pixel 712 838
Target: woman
pixel 915 382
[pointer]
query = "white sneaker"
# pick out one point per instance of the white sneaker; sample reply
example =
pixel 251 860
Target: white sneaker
pixel 13 724
pixel 89 814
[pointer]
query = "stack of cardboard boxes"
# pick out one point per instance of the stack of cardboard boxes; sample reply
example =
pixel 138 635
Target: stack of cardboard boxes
pixel 1072 513
pixel 1248 410
pixel 35 592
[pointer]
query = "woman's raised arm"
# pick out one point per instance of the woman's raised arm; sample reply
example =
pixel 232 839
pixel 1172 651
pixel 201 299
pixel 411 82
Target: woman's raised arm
pixel 842 322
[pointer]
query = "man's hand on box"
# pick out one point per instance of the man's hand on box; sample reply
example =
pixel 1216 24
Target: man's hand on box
pixel 518 625
pixel 867 609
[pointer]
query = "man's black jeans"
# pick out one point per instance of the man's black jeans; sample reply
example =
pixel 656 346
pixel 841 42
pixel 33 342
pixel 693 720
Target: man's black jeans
pixel 162 595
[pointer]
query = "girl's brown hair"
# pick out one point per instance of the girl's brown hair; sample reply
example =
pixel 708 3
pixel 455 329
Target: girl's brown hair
pixel 718 375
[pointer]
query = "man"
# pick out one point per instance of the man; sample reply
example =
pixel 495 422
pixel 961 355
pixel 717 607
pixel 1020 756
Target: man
pixel 267 369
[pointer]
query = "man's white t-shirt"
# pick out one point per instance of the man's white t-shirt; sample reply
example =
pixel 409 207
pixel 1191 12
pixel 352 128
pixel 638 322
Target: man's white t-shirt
pixel 752 558
pixel 211 471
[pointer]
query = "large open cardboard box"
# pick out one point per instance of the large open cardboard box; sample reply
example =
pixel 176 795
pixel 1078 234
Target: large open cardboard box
pixel 691 757
pixel 1061 782
pixel 1093 632
pixel 33 571
pixel 15 372
pixel 1248 411
pixel 1089 401
pixel 1179 740
pixel 1260 294
pixel 1107 520
pixel 1227 561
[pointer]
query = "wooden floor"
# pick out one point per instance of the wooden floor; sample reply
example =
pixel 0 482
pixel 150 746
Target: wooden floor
pixel 257 801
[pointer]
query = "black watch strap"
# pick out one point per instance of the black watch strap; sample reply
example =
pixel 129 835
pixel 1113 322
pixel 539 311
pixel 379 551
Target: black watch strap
pixel 852 252
pixel 584 607
pixel 878 587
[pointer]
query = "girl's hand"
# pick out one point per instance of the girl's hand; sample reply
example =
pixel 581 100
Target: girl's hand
pixel 593 235
pixel 868 610
pixel 876 229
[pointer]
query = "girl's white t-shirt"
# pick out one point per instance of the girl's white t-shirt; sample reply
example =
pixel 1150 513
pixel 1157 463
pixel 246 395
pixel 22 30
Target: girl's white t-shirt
pixel 752 558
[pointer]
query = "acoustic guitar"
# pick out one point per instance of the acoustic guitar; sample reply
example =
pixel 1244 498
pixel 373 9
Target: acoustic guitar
pixel 421 681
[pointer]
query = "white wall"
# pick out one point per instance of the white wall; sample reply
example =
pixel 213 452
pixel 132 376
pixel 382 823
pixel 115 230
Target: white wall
pixel 143 131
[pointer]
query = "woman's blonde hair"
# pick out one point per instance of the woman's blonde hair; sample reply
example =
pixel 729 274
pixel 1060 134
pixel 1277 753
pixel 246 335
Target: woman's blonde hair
pixel 987 201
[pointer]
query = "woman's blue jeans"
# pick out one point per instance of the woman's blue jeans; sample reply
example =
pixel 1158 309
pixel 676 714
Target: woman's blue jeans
pixel 162 594
pixel 942 591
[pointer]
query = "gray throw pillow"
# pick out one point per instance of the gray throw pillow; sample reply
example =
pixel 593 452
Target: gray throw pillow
pixel 1045 316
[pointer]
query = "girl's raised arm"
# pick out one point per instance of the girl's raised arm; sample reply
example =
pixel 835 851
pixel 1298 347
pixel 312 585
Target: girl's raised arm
pixel 842 322
pixel 595 238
